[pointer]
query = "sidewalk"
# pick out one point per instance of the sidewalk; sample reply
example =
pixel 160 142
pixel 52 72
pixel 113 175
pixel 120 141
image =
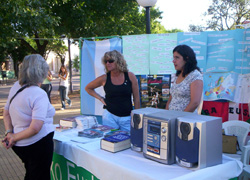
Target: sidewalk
pixel 11 168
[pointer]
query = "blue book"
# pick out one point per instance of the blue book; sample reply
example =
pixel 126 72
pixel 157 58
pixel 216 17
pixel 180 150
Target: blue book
pixel 115 143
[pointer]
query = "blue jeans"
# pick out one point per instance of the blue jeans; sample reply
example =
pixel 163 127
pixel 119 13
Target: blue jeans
pixel 62 90
pixel 122 123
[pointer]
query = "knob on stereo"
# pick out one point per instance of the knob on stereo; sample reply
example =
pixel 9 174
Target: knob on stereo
pixel 163 130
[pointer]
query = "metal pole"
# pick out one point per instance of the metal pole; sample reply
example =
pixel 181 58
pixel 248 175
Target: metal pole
pixel 70 68
pixel 148 20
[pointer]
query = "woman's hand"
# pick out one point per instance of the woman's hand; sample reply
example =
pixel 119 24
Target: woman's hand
pixel 103 101
pixel 9 141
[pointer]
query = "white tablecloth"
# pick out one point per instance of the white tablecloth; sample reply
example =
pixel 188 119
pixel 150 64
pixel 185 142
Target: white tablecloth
pixel 131 165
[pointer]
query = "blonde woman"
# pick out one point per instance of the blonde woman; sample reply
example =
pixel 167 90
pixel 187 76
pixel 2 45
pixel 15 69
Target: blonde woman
pixel 119 85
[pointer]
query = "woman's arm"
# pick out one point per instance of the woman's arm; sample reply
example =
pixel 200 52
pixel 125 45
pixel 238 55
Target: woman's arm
pixel 49 76
pixel 90 88
pixel 32 130
pixel 64 78
pixel 135 90
pixel 196 89
pixel 169 100
pixel 7 121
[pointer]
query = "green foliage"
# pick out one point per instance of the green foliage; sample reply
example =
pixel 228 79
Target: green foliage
pixel 174 31
pixel 21 21
pixel 96 18
pixel 35 26
pixel 76 62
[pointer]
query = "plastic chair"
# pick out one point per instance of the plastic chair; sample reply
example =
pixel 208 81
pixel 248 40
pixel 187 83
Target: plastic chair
pixel 245 160
pixel 237 128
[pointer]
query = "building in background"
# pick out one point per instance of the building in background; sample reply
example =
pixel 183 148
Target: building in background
pixel 54 60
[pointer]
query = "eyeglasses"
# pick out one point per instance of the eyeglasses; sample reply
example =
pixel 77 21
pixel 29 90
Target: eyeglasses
pixel 110 61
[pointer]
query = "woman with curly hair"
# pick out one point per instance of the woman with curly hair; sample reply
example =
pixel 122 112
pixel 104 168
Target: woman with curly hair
pixel 119 85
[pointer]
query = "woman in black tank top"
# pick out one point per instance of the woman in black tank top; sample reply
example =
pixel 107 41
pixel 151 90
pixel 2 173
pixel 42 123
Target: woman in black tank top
pixel 119 86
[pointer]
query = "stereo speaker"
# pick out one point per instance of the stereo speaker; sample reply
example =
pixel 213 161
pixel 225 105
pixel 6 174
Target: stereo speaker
pixel 198 141
pixel 136 130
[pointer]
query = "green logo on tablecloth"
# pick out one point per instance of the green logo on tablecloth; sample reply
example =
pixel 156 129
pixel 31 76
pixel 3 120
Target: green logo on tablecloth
pixel 63 169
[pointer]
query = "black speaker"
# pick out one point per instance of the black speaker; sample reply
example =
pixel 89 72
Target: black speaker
pixel 198 141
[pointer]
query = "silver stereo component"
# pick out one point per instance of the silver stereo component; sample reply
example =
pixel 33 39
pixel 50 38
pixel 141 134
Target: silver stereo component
pixel 198 141
pixel 159 135
pixel 136 130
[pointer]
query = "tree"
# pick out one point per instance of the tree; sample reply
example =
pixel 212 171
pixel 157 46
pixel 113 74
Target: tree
pixel 96 18
pixel 32 19
pixel 33 24
pixel 194 28
pixel 225 14
pixel 76 62
pixel 25 26
pixel 58 46
pixel 174 30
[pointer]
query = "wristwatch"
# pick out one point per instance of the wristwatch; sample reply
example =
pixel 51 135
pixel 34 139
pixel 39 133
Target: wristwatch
pixel 8 131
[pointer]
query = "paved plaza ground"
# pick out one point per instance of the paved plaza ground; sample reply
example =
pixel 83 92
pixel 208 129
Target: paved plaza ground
pixel 11 168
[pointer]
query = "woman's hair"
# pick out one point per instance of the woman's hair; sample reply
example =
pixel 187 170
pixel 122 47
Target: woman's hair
pixel 189 57
pixel 33 70
pixel 61 72
pixel 118 58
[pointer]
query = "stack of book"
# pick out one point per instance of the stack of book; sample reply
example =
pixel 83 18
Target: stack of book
pixel 117 142
pixel 68 122
pixel 86 122
pixel 62 128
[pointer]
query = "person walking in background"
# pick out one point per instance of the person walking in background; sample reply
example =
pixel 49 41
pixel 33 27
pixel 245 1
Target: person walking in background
pixel 63 85
pixel 187 84
pixel 46 85
pixel 119 85
pixel 67 95
pixel 28 119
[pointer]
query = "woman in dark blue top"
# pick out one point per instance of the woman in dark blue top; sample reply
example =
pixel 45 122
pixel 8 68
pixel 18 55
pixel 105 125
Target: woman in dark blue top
pixel 119 86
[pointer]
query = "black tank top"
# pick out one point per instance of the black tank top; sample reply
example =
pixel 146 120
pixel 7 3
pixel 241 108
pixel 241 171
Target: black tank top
pixel 118 97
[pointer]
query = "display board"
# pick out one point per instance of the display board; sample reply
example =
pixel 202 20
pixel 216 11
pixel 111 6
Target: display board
pixel 223 57
pixel 136 53
pixel 161 53
pixel 198 42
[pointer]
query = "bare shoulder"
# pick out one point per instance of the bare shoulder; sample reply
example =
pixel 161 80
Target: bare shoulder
pixel 102 79
pixel 131 75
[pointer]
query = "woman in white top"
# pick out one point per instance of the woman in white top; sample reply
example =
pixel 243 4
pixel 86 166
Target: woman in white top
pixel 187 84
pixel 63 86
pixel 28 119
